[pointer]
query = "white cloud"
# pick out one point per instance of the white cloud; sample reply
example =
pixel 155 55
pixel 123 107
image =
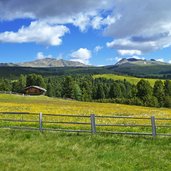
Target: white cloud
pixel 82 55
pixel 143 25
pixel 38 32
pixel 98 21
pixel 49 9
pixel 160 60
pixel 98 48
pixel 129 52
pixel 127 44
pixel 79 13
pixel 40 55
pixel 134 25
pixel 82 21
pixel 170 62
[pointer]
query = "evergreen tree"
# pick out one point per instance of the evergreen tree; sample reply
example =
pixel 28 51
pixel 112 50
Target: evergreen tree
pixel 87 90
pixel 68 87
pixel 100 92
pixel 115 91
pixel 5 85
pixel 167 101
pixel 35 80
pixel 167 87
pixel 77 92
pixel 158 92
pixel 143 89
pixel 85 95
pixel 50 90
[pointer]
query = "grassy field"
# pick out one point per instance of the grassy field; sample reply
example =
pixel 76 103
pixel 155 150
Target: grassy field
pixel 18 103
pixel 34 151
pixel 132 80
pixel 46 105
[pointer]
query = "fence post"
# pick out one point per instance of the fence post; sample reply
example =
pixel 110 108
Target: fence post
pixel 153 124
pixel 40 121
pixel 93 123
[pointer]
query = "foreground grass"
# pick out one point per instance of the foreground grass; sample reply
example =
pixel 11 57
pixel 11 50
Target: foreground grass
pixel 131 79
pixel 36 151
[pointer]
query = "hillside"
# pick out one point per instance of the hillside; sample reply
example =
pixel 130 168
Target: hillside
pixel 142 68
pixel 50 67
pixel 131 79
pixel 16 103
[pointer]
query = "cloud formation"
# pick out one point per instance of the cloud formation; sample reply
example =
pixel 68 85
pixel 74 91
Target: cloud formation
pixel 129 52
pixel 82 55
pixel 79 13
pixel 38 32
pixel 143 25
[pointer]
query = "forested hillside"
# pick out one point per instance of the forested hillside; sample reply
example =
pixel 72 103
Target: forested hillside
pixel 87 88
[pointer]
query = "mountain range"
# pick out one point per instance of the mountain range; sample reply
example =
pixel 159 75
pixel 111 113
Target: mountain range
pixel 50 66
pixel 46 62
pixel 52 62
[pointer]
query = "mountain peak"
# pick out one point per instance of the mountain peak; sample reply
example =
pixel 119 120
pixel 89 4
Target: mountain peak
pixel 135 61
pixel 51 62
pixel 129 60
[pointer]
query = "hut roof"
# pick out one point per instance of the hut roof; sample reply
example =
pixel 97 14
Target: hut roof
pixel 37 87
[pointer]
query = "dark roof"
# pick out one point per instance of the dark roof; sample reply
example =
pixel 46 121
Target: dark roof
pixel 40 88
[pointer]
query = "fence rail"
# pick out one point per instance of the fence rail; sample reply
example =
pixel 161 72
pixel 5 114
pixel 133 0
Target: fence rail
pixel 39 121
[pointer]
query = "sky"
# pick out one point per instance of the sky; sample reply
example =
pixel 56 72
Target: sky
pixel 92 32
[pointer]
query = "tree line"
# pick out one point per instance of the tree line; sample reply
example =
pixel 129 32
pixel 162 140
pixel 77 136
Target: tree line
pixel 86 88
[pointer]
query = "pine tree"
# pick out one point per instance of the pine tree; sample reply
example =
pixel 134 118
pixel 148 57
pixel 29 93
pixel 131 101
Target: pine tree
pixel 167 87
pixel 115 91
pixel 68 87
pixel 158 92
pixel 100 92
pixel 143 89
pixel 77 92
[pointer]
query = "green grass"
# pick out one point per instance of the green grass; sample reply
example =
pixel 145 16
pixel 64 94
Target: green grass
pixel 36 151
pixel 132 80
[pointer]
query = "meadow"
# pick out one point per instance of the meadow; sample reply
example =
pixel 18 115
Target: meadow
pixel 33 150
pixel 131 79
pixel 46 105
pixel 19 103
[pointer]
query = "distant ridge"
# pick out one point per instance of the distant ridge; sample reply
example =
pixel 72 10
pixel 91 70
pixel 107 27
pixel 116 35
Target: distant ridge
pixel 141 62
pixel 46 62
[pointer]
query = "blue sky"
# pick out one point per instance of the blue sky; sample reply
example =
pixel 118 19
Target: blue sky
pixel 97 33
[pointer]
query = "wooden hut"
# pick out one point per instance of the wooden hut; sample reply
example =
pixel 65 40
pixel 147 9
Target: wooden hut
pixel 35 90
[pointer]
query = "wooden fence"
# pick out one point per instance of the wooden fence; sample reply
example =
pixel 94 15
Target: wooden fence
pixel 39 121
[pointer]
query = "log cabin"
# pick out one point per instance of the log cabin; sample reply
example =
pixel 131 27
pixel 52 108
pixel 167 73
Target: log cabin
pixel 35 90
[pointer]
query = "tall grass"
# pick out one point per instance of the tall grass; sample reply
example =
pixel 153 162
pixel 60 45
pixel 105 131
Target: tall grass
pixel 36 151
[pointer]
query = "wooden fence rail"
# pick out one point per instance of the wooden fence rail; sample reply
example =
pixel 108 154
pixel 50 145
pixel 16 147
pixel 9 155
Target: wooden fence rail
pixel 15 120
